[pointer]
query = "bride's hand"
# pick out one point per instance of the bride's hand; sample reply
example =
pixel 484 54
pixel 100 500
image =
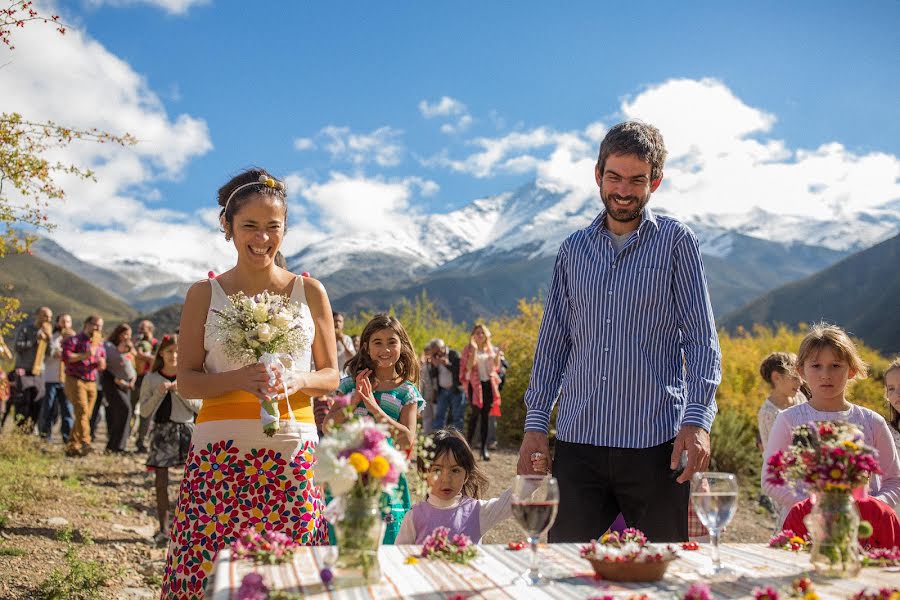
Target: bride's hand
pixel 255 380
pixel 295 382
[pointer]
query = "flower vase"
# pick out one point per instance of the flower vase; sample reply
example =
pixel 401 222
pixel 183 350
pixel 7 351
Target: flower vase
pixel 833 526
pixel 359 534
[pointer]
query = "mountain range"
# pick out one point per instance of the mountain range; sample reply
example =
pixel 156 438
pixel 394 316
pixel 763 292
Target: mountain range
pixel 480 259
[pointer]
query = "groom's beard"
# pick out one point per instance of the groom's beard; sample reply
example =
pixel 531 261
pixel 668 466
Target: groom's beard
pixel 624 214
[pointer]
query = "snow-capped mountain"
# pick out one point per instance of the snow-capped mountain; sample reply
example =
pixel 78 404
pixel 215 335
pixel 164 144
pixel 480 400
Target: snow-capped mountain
pixel 516 232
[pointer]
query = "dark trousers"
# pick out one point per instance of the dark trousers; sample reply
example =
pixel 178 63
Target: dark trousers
pixel 118 414
pixel 596 483
pixel 27 402
pixel 480 417
pixel 98 405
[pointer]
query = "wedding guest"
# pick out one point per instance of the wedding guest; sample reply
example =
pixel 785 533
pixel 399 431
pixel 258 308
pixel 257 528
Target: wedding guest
pixel 493 418
pixel 455 487
pixel 380 381
pixel 55 401
pixel 445 364
pixel 827 360
pixel 479 372
pixel 345 347
pixel 779 371
pixel 629 350
pixel 5 354
pixel 228 438
pixel 428 387
pixel 173 424
pixel 31 343
pixel 84 357
pixel 144 350
pixel 892 395
pixel 118 379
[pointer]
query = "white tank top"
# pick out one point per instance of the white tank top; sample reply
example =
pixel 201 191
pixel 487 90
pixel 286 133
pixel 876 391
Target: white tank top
pixel 216 362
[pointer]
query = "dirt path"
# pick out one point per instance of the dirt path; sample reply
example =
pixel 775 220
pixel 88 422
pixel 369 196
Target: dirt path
pixel 105 510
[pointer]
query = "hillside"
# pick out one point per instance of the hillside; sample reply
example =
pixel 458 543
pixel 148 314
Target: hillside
pixel 861 293
pixel 36 282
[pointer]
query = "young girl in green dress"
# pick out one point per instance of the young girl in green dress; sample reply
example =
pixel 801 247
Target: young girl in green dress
pixel 381 385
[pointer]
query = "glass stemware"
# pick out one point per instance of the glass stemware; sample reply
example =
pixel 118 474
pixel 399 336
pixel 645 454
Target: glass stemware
pixel 714 496
pixel 535 500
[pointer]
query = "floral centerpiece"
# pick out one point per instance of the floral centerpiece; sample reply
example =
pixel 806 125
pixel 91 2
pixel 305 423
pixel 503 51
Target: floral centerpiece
pixel 357 463
pixel 828 459
pixel 439 544
pixel 264 328
pixel 627 556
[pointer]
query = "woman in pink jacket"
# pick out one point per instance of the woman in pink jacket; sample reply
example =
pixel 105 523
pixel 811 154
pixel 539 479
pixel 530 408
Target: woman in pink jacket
pixel 479 372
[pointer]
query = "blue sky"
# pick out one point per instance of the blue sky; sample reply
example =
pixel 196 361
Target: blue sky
pixel 294 85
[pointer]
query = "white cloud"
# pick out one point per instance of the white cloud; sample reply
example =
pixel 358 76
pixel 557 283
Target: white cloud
pixel 722 159
pixel 447 107
pixel 174 7
pixel 380 146
pixel 102 91
pixel 353 204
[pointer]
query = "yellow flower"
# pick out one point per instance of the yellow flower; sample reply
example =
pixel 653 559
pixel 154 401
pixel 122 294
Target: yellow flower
pixel 411 560
pixel 797 540
pixel 836 473
pixel 359 462
pixel 379 467
pixel 850 445
pixel 810 595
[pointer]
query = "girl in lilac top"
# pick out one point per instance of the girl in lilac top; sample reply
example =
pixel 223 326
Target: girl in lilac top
pixel 455 487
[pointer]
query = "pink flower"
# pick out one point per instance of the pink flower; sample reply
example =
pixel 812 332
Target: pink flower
pixel 372 438
pixel 698 591
pixel 768 593
pixel 253 588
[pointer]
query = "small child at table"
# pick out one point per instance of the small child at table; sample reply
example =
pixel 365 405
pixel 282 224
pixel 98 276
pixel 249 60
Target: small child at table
pixel 455 487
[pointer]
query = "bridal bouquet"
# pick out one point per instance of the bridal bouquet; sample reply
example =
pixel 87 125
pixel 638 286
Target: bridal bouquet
pixel 266 328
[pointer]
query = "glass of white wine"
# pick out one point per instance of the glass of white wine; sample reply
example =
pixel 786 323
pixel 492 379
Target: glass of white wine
pixel 714 496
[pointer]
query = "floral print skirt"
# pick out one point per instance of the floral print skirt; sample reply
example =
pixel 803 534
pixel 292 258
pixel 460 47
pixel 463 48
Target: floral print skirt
pixel 237 477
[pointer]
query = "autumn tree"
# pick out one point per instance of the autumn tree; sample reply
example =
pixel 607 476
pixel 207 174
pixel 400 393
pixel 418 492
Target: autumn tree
pixel 27 175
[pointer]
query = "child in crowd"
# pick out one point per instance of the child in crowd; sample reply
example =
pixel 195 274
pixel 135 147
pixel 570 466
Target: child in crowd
pixel 380 382
pixel 827 360
pixel 892 395
pixel 173 425
pixel 455 488
pixel 779 370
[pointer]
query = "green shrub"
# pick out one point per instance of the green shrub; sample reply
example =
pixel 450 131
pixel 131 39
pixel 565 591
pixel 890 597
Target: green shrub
pixel 82 581
pixel 733 441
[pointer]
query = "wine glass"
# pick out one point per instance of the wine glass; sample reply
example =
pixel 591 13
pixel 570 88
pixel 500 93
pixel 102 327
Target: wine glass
pixel 714 496
pixel 535 500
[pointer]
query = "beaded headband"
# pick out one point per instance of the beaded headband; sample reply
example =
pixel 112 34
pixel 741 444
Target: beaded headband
pixel 269 182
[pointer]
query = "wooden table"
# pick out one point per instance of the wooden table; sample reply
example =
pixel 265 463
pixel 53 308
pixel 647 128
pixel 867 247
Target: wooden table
pixel 492 574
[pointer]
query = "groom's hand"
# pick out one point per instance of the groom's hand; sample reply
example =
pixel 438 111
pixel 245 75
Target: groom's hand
pixel 534 441
pixel 695 440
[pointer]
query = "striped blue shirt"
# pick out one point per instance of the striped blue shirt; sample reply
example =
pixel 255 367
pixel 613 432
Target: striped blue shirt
pixel 628 344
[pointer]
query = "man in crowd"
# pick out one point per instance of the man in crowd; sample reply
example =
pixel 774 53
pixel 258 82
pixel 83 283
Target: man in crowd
pixel 345 350
pixel 31 346
pixel 629 348
pixel 144 345
pixel 444 369
pixel 55 402
pixel 84 357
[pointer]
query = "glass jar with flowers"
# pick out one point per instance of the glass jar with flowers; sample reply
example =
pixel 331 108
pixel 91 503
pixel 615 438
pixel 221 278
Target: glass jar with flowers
pixel 828 460
pixel 357 463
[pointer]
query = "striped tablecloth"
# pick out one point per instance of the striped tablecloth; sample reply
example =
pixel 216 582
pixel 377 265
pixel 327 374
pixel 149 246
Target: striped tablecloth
pixel 492 575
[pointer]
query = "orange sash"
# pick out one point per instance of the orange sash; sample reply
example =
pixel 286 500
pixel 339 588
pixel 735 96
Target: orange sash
pixel 244 405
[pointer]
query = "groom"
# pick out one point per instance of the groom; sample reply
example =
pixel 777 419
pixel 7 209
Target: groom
pixel 629 346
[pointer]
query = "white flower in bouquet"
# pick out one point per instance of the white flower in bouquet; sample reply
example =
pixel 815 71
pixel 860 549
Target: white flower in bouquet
pixel 264 333
pixel 261 312
pixel 282 320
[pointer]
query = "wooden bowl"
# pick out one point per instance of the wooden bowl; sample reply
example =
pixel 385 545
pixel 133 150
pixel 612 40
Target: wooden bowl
pixel 630 571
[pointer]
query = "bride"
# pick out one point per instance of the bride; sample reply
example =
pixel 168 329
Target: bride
pixel 237 477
